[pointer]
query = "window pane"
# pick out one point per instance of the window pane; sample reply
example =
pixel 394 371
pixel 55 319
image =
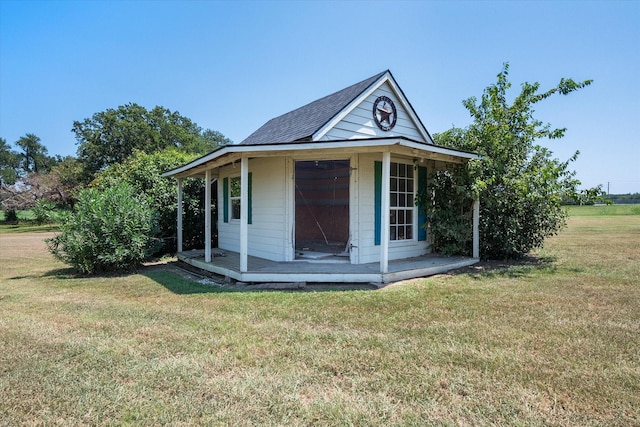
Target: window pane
pixel 393 233
pixel 394 169
pixel 409 232
pixel 394 184
pixel 410 171
pixel 409 217
pixel 234 184
pixel 402 168
pixel 401 200
pixel 410 200
pixel 393 217
pixel 235 209
pixel 410 186
pixel 402 185
pixel 394 200
pixel 400 215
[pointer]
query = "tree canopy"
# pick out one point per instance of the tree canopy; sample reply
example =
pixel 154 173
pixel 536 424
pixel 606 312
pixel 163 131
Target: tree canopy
pixel 520 184
pixel 9 163
pixel 110 136
pixel 34 156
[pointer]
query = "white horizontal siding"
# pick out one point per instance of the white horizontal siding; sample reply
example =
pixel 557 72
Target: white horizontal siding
pixel 359 122
pixel 366 246
pixel 267 235
pixel 368 250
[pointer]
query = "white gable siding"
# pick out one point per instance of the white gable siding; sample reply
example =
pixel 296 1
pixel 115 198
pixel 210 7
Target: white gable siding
pixel 359 122
pixel 267 235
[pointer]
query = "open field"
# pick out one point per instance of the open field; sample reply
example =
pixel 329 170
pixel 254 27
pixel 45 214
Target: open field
pixel 551 341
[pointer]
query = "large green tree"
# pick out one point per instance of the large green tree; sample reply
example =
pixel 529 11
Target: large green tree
pixel 34 156
pixel 520 184
pixel 9 163
pixel 110 136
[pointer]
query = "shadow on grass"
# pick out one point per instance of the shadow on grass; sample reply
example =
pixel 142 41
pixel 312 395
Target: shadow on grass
pixel 518 268
pixel 181 285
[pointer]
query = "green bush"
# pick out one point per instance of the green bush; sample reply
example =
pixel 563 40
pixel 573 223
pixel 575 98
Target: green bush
pixel 519 183
pixel 449 208
pixel 109 231
pixel 11 216
pixel 43 211
pixel 144 172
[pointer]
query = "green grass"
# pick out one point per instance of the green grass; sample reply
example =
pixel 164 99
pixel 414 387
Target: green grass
pixel 548 343
pixel 26 215
pixel 604 210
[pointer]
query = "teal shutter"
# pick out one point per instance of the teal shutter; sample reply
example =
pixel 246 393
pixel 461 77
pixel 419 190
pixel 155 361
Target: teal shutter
pixel 422 216
pixel 250 216
pixel 225 199
pixel 377 201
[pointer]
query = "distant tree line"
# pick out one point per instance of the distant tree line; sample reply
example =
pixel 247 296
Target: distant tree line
pixel 624 198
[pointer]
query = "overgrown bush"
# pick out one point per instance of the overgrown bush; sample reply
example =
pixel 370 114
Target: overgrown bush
pixel 519 183
pixel 144 172
pixel 43 211
pixel 449 207
pixel 109 231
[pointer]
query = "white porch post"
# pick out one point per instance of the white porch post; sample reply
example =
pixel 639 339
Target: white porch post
pixel 207 215
pixel 179 215
pixel 244 212
pixel 476 228
pixel 384 223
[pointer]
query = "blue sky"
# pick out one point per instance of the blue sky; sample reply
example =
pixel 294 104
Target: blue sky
pixel 231 66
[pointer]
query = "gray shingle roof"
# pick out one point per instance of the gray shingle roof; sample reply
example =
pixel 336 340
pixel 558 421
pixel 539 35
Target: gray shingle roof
pixel 300 124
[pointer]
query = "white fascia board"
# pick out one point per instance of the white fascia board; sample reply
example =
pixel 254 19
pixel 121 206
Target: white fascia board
pixel 385 78
pixel 197 162
pixel 346 110
pixel 256 150
pixel 409 109
pixel 440 150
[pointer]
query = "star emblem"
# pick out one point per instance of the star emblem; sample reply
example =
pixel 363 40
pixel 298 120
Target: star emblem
pixel 384 113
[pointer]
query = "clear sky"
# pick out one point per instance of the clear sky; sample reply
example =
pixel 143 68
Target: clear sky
pixel 231 66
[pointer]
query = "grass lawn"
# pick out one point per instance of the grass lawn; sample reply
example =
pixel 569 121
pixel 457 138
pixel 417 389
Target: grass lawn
pixel 553 342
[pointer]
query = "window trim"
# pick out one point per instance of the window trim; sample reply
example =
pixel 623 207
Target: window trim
pixel 420 181
pixel 413 208
pixel 233 198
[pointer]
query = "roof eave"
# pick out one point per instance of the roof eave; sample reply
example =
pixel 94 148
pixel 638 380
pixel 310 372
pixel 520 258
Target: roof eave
pixel 416 148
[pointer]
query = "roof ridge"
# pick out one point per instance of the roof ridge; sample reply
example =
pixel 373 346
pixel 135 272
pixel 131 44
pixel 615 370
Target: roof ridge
pixel 302 122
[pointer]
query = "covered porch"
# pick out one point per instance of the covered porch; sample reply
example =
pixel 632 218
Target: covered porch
pixel 259 270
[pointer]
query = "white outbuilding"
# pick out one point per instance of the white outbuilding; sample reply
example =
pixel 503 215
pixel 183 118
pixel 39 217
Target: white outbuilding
pixel 325 193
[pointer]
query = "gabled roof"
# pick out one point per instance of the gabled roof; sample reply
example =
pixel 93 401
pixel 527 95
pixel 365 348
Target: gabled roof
pixel 307 127
pixel 302 123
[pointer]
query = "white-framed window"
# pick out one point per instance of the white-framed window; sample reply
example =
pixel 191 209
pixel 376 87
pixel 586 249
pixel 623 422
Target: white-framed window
pixel 402 210
pixel 234 198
